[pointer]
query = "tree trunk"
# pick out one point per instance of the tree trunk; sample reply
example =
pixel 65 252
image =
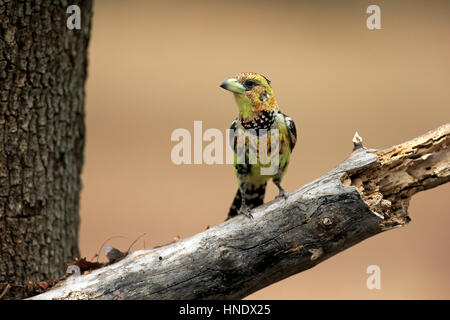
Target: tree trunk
pixel 43 68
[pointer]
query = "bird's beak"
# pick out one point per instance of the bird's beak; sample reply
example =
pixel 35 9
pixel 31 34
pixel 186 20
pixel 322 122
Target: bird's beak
pixel 233 85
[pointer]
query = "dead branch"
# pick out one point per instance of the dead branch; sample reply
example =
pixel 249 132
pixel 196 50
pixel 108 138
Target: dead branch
pixel 366 194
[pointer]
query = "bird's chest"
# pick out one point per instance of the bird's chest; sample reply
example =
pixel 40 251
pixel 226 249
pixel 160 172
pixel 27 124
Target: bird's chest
pixel 261 146
pixel 264 120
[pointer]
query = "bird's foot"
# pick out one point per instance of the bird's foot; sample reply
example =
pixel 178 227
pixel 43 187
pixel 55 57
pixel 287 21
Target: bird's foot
pixel 246 212
pixel 282 194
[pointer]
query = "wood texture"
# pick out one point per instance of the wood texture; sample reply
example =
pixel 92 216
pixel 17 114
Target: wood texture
pixel 366 194
pixel 43 67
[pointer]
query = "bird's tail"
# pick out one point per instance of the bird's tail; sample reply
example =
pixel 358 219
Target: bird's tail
pixel 254 196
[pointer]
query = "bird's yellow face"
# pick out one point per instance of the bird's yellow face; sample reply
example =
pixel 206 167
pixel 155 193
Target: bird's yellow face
pixel 252 93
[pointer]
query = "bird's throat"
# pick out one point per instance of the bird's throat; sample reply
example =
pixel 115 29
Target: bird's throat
pixel 250 109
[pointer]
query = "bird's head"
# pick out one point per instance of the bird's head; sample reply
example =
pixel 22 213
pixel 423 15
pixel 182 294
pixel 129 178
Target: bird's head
pixel 252 92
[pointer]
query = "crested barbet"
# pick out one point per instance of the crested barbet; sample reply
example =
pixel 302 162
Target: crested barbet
pixel 259 118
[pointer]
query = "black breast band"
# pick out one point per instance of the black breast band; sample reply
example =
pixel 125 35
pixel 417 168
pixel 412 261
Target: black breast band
pixel 263 121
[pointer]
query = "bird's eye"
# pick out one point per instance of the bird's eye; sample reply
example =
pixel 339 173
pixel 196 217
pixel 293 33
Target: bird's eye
pixel 249 84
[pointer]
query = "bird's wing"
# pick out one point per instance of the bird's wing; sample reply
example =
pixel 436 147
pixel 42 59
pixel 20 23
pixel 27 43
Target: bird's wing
pixel 290 125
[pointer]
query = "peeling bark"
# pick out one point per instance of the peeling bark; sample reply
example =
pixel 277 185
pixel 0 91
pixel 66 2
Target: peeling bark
pixel 43 67
pixel 400 172
pixel 366 194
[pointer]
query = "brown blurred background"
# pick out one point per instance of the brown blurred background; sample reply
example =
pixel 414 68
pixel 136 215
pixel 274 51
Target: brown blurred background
pixel 156 66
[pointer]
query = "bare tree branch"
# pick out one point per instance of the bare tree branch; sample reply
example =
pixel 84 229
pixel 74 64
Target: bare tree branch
pixel 366 194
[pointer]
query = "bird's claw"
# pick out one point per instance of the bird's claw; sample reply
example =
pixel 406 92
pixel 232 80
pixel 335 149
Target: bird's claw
pixel 246 212
pixel 282 194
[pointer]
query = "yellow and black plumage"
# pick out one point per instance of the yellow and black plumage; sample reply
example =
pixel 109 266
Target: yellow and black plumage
pixel 258 116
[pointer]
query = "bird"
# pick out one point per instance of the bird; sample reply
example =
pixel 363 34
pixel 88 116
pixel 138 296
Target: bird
pixel 259 118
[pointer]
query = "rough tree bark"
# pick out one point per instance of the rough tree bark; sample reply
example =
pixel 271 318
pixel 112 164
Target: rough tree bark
pixel 366 194
pixel 43 67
